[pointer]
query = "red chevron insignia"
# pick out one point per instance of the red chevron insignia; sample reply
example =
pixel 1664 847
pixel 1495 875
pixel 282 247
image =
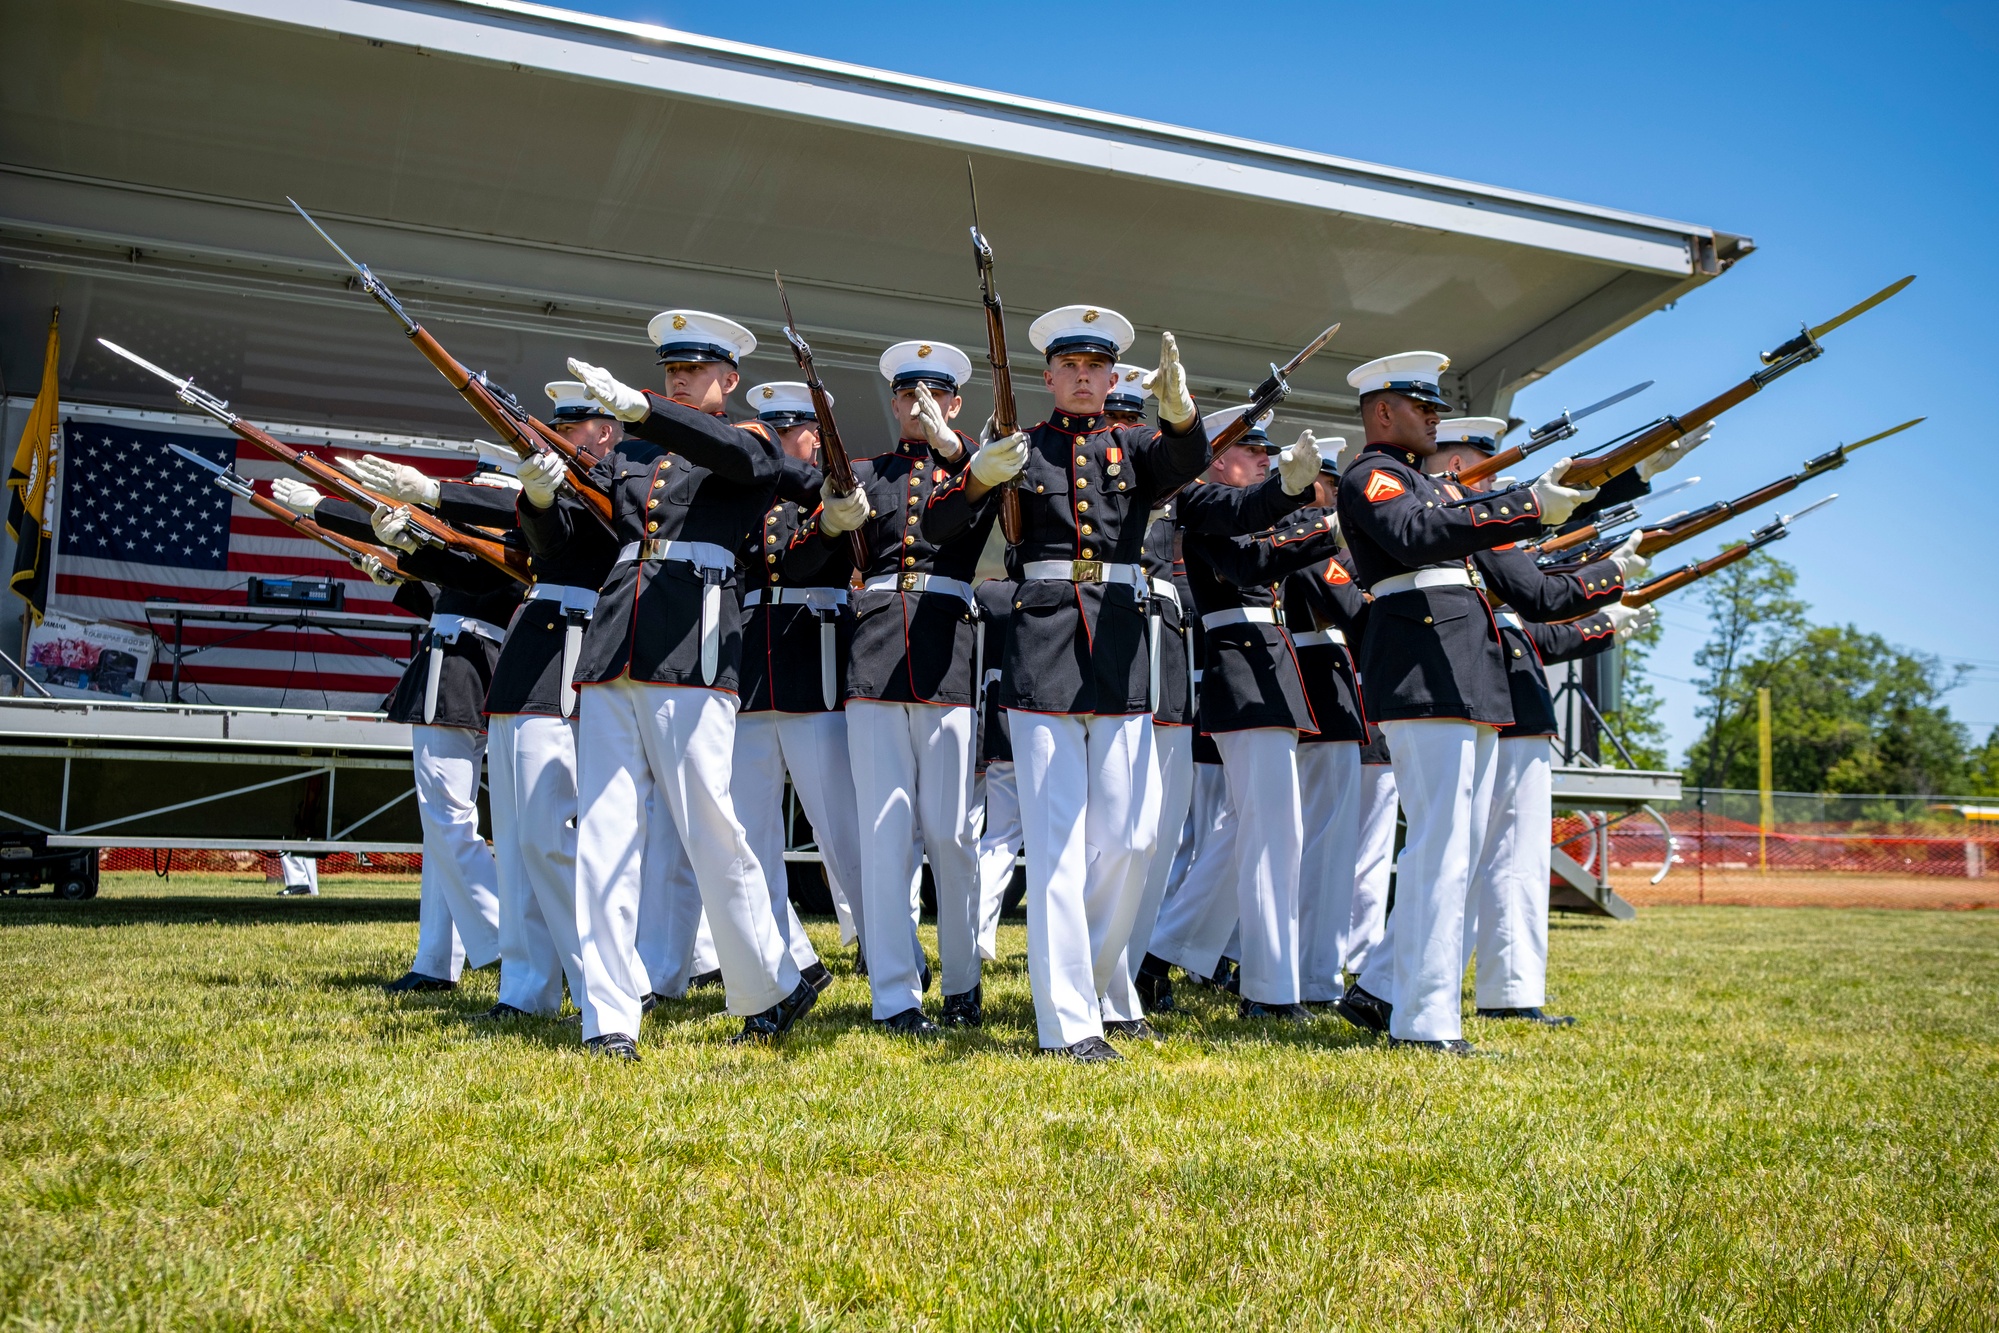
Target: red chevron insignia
pixel 1381 486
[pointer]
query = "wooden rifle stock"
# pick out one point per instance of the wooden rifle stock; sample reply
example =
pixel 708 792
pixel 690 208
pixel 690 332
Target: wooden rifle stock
pixel 1596 469
pixel 521 431
pixel 349 548
pixel 499 556
pixel 839 464
pixel 1654 589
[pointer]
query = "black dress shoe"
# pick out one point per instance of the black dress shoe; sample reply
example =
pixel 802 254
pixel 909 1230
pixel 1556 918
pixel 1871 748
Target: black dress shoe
pixel 615 1045
pixel 1227 978
pixel 816 976
pixel 1135 1028
pixel 1532 1014
pixel 295 891
pixel 1155 990
pixel 1455 1046
pixel 705 981
pixel 1088 1051
pixel 908 1023
pixel 777 1020
pixel 926 979
pixel 500 1013
pixel 860 960
pixel 1368 1012
pixel 649 1002
pixel 1289 1013
pixel 417 981
pixel 964 1011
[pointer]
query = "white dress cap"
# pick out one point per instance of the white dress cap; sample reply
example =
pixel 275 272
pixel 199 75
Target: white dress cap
pixel 1215 421
pixel 573 402
pixel 696 335
pixel 1128 392
pixel 1082 328
pixel 1417 375
pixel 1481 433
pixel 914 362
pixel 783 403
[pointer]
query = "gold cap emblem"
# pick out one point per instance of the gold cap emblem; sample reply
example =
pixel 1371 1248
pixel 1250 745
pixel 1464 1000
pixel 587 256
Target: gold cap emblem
pixel 923 350
pixel 1089 316
pixel 680 321
pixel 1131 375
pixel 1446 366
pixel 769 392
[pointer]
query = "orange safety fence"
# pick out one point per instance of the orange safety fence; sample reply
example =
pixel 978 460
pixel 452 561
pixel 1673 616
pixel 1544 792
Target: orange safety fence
pixel 165 862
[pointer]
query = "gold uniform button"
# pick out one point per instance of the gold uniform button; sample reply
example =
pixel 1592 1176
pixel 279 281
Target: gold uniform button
pixel 652 527
pixel 1516 652
pixel 1082 506
pixel 912 520
pixel 1088 554
pixel 1018 605
pixel 1080 442
pixel 908 560
pixel 652 504
pixel 770 560
pixel 1504 510
pixel 1120 485
pixel 1038 489
pixel 909 541
pixel 1082 483
pixel 1081 461
pixel 658 482
pixel 1086 529
pixel 1427 620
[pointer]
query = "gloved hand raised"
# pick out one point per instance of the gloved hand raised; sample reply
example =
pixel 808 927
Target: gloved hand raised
pixel 1169 384
pixel 1001 460
pixel 392 528
pixel 841 513
pixel 541 476
pixel 622 400
pixel 1630 564
pixel 392 479
pixel 296 496
pixel 929 418
pixel 1556 500
pixel 1651 467
pixel 1298 466
pixel 1629 620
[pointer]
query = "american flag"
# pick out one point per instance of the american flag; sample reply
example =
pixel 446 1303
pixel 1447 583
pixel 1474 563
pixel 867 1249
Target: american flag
pixel 139 523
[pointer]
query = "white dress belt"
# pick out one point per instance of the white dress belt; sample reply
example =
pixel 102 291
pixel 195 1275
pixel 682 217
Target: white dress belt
pixel 446 629
pixel 1166 588
pixel 819 599
pixel 921 583
pixel 1086 571
pixel 577 604
pixel 1457 576
pixel 823 601
pixel 1239 615
pixel 715 565
pixel 1508 619
pixel 1319 638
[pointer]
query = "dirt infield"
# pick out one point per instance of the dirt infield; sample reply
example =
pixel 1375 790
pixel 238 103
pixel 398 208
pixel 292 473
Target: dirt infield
pixel 1748 888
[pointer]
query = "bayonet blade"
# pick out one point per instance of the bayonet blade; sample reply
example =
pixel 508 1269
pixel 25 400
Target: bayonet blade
pixel 1311 349
pixel 141 362
pixel 1611 401
pixel 196 459
pixel 1670 490
pixel 1789 519
pixel 1892 430
pixel 351 261
pixel 1861 309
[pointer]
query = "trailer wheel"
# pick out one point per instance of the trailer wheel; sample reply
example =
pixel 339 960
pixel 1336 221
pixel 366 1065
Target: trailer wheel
pixel 74 888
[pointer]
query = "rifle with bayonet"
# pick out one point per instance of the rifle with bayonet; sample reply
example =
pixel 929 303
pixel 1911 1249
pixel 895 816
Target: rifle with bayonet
pixel 424 526
pixel 1625 453
pixel 1614 517
pixel 359 554
pixel 1684 527
pixel 1776 530
pixel 518 428
pixel 1267 395
pixel 1561 428
pixel 839 467
pixel 1006 415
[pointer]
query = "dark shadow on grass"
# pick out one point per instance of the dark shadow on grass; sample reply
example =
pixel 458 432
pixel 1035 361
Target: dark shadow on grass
pixel 102 912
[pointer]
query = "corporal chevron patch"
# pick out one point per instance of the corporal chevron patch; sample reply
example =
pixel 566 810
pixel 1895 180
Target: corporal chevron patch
pixel 1336 573
pixel 1382 486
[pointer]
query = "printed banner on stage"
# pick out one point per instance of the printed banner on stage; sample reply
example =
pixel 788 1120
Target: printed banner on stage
pixel 138 523
pixel 88 657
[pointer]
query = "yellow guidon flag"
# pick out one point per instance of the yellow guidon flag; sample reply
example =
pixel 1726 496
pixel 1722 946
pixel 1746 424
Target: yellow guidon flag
pixel 28 484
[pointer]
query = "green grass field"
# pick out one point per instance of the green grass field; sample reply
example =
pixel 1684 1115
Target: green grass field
pixel 213 1118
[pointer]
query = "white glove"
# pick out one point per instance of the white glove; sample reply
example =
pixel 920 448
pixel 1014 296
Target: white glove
pixel 377 572
pixel 1630 564
pixel 1333 522
pixel 842 513
pixel 625 402
pixel 1558 501
pixel 392 528
pixel 541 476
pixel 296 496
pixel 929 418
pixel 1299 465
pixel 1169 384
pixel 1001 460
pixel 392 479
pixel 1651 467
pixel 1350 452
pixel 1629 620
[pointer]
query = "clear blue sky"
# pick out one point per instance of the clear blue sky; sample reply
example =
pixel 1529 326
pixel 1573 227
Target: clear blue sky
pixel 1855 143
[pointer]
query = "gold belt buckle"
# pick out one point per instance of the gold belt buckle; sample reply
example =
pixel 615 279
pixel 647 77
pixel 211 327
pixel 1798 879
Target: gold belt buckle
pixel 1088 571
pixel 909 582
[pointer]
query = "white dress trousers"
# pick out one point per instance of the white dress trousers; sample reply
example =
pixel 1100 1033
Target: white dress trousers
pixel 1374 865
pixel 637 741
pixel 299 872
pixel 1175 747
pixel 999 845
pixel 1329 788
pixel 531 783
pixel 458 870
pixel 1444 772
pixel 1204 815
pixel 672 943
pixel 808 745
pixel 1507 918
pixel 1261 764
pixel 1089 802
pixel 1197 921
pixel 913 776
